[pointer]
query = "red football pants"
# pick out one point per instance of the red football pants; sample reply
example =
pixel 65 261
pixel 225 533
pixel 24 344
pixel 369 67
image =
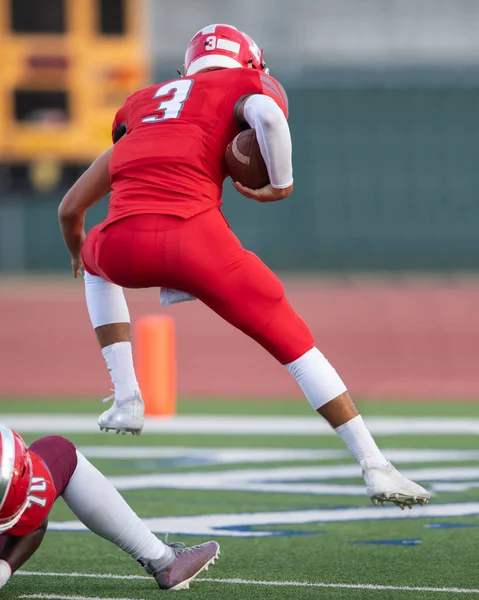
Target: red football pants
pixel 200 256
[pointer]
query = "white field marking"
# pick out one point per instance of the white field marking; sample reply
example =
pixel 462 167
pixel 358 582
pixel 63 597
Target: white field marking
pixel 236 524
pixel 464 486
pixel 288 480
pixel 423 455
pixel 57 597
pixel 217 455
pixel 269 455
pixel 349 586
pixel 81 575
pixel 240 425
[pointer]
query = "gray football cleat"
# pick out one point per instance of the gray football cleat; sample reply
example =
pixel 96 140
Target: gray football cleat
pixel 180 568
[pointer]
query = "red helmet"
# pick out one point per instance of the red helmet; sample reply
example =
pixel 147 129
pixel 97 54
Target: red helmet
pixel 223 47
pixel 15 478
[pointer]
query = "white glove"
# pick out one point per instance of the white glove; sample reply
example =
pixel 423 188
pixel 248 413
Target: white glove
pixel 169 297
pixel 5 572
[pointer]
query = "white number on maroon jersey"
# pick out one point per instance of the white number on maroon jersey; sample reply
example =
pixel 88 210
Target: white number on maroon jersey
pixel 171 108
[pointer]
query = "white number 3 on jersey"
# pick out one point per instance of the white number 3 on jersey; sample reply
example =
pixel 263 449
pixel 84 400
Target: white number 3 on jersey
pixel 171 108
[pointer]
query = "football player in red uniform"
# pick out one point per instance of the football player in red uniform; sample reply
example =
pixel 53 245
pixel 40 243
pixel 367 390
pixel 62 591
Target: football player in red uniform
pixel 165 229
pixel 31 479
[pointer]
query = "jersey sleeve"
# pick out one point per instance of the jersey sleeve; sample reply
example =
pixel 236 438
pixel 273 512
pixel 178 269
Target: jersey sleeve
pixel 272 88
pixel 257 82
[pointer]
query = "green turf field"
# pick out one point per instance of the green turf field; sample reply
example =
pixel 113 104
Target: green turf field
pixel 288 510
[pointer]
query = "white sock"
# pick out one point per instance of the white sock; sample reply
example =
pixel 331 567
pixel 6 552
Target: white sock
pixel 360 442
pixel 119 361
pixel 318 379
pixel 105 301
pixel 99 506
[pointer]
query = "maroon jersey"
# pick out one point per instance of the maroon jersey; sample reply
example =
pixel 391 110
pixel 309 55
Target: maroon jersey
pixel 171 160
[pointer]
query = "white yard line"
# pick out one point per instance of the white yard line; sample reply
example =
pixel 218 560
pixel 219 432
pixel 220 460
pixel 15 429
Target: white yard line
pixel 243 524
pixel 311 479
pixel 350 586
pixel 59 597
pixel 232 455
pixel 81 575
pixel 241 425
pixel 226 456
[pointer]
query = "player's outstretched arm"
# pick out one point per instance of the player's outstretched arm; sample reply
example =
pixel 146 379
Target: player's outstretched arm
pixel 91 187
pixel 263 115
pixel 17 550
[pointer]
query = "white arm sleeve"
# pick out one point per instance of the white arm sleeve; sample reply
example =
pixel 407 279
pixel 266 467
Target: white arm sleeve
pixel 272 132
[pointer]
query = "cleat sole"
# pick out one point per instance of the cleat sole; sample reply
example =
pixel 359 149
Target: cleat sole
pixel 122 431
pixel 399 500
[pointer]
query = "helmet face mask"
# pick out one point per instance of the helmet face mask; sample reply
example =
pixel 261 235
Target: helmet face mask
pixel 15 478
pixel 264 68
pixel 222 47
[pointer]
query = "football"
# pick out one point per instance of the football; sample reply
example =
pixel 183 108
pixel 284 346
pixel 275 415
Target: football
pixel 244 161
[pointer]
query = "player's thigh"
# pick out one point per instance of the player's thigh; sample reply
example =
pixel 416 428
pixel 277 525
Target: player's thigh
pixel 252 298
pixel 59 454
pixel 238 286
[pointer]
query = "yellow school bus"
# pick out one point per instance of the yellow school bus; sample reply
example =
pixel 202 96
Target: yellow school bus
pixel 66 66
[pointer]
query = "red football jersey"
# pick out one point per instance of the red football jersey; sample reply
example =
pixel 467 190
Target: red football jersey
pixel 40 500
pixel 171 160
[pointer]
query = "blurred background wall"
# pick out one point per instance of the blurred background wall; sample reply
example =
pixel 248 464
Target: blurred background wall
pixel 384 98
pixel 383 95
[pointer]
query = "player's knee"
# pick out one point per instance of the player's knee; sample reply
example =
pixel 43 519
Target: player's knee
pixel 69 450
pixel 53 445
pixel 60 442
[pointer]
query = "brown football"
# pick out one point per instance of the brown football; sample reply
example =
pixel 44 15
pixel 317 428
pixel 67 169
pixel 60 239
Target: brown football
pixel 244 161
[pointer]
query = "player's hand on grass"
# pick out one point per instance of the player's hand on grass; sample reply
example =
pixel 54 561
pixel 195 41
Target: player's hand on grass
pixel 265 194
pixel 77 266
